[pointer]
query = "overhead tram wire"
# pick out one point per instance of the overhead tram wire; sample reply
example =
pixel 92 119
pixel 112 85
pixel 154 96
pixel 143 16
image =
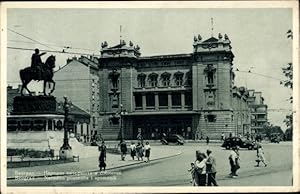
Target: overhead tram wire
pixel 44 44
pixel 29 38
pixel 51 51
pixel 250 72
pixel 60 46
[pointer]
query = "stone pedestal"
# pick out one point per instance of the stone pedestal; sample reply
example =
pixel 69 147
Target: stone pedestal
pixel 65 153
pixel 34 104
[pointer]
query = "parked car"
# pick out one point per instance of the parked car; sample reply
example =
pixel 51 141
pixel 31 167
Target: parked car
pixel 231 142
pixel 173 138
pixel 275 139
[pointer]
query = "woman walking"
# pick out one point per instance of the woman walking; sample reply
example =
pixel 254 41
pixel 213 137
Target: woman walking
pixel 260 156
pixel 123 148
pixel 102 156
pixel 147 151
pixel 139 151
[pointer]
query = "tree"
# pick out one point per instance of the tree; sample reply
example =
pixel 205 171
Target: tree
pixel 271 129
pixel 288 73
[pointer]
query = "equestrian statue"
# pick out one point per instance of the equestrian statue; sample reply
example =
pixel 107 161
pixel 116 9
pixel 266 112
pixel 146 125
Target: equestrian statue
pixel 38 72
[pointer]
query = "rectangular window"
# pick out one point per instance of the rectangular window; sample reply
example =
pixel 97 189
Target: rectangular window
pixel 163 100
pixel 188 99
pixel 138 101
pixel 150 100
pixel 176 99
pixel 211 118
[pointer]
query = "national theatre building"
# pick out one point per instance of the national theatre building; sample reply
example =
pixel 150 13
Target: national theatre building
pixel 190 94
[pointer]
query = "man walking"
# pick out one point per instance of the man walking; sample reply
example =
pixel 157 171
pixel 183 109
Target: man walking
pixel 234 162
pixel 211 169
pixel 207 140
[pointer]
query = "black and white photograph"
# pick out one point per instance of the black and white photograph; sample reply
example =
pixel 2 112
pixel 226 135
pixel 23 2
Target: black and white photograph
pixel 166 96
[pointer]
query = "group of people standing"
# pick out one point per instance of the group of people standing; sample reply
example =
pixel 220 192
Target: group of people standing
pixel 139 151
pixel 203 170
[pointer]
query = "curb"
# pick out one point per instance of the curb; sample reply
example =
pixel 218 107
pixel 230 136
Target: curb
pixel 91 171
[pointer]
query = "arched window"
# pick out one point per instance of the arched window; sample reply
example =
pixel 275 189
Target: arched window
pixel 153 79
pixel 210 73
pixel 141 80
pixel 114 77
pixel 178 78
pixel 165 79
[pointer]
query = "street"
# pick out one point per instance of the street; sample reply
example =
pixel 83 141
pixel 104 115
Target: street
pixel 174 171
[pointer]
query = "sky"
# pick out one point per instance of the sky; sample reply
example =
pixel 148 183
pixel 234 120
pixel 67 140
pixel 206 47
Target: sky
pixel 258 40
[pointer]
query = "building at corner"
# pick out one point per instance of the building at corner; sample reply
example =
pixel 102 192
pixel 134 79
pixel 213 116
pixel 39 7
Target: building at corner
pixel 259 111
pixel 190 94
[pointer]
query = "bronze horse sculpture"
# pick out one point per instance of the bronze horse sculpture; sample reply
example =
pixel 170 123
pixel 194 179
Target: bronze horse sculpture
pixel 27 75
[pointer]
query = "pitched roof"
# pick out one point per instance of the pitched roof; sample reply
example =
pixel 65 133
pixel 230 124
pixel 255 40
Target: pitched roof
pixel 212 39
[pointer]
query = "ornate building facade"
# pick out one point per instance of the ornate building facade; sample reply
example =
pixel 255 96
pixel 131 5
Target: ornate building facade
pixel 188 94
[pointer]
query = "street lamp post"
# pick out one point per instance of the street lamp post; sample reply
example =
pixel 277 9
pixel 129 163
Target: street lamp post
pixel 121 127
pixel 66 150
pixel 122 112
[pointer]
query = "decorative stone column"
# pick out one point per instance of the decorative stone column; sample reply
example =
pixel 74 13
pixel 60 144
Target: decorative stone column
pixel 169 100
pixel 156 101
pixel 144 101
pixel 182 100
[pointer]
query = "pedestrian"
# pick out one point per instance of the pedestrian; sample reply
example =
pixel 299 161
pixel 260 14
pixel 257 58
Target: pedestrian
pixel 140 137
pixel 234 162
pixel 147 151
pixel 222 136
pixel 139 151
pixel 260 156
pixel 132 150
pixel 207 140
pixel 102 156
pixel 200 169
pixel 192 171
pixel 123 148
pixel 211 169
pixel 152 135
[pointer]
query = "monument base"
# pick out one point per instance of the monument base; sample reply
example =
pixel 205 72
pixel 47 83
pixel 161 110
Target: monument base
pixel 34 104
pixel 65 154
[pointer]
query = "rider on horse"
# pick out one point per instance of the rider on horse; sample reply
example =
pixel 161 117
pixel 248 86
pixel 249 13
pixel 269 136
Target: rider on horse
pixel 36 64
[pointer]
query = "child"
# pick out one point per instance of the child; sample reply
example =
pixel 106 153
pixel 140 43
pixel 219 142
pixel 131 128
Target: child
pixel 192 170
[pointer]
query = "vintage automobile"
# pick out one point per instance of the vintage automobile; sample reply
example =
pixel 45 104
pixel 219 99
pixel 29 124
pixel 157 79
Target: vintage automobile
pixel 274 138
pixel 173 138
pixel 231 142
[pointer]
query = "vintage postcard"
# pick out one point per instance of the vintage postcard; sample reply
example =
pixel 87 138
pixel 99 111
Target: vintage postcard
pixel 109 97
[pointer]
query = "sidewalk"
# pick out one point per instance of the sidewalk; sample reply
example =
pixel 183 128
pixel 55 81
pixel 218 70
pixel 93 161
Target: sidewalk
pixel 89 163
